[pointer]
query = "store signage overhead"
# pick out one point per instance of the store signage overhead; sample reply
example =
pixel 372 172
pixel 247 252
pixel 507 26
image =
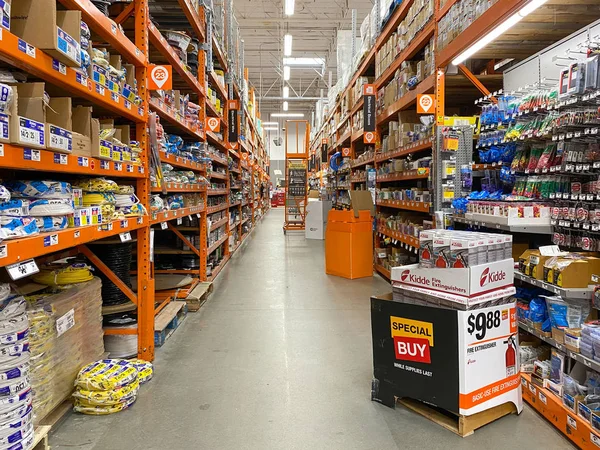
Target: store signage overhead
pixel 233 107
pixel 160 77
pixel 369 109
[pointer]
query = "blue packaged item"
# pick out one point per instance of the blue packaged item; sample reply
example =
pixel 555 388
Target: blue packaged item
pixel 557 312
pixel 537 310
pixel 39 188
pixel 52 223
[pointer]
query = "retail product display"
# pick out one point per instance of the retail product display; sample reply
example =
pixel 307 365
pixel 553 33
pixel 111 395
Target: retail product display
pixel 109 386
pixel 66 333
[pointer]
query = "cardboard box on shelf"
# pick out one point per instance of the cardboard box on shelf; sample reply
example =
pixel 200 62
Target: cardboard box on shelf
pixel 28 116
pixel 558 334
pixel 571 273
pixel 57 33
pixel 572 339
pixel 59 118
pixel 86 134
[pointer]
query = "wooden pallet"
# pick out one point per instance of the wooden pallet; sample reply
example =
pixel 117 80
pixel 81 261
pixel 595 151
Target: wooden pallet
pixel 462 425
pixel 168 320
pixel 198 296
pixel 178 293
pixel 40 439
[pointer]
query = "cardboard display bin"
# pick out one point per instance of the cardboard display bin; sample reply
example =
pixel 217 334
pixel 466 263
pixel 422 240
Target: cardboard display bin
pixel 349 239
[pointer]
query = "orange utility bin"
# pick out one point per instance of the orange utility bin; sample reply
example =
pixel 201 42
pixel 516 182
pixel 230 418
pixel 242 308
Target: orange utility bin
pixel 349 244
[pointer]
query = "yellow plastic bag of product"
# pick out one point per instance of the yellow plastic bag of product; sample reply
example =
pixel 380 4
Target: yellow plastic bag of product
pixel 106 375
pixel 82 408
pixel 145 370
pixel 111 397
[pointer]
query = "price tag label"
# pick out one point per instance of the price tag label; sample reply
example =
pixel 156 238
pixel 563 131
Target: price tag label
pixel 32 155
pixel 129 168
pixel 77 234
pixel 571 422
pixel 124 223
pixel 190 218
pixel 115 97
pixel 100 89
pixel 118 167
pixel 140 220
pixel 543 398
pixel 179 221
pixel 595 439
pixel 51 240
pixel 125 237
pixel 82 161
pixel 198 215
pixel 164 225
pixel 104 165
pixel 532 389
pixel 61 158
pixel 22 269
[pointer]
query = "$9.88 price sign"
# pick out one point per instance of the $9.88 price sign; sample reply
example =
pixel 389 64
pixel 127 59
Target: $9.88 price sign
pixel 482 322
pixel 490 323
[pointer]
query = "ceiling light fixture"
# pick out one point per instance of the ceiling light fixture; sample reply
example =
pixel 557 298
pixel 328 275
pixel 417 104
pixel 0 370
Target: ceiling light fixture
pixel 289 7
pixel 287 45
pixel 270 123
pixel 286 92
pixel 499 31
pixel 285 106
pixel 271 129
pixel 287 115
pixel 286 73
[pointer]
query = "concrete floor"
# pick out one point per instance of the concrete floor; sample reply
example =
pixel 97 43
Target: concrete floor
pixel 279 358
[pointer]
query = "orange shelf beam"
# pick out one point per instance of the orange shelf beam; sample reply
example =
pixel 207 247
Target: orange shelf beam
pixel 218 53
pixel 18 250
pixel 20 158
pixel 217 84
pixel 219 223
pixel 214 209
pixel 405 204
pixel 383 271
pixel 108 30
pixel 394 234
pixel 218 191
pixel 218 269
pixel 221 176
pixel 217 244
pixel 407 175
pixel 405 150
pixel 41 65
pixel 165 216
pixel 181 187
pixel 183 163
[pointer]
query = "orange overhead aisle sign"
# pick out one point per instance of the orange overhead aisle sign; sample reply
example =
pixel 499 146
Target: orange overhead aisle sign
pixel 161 77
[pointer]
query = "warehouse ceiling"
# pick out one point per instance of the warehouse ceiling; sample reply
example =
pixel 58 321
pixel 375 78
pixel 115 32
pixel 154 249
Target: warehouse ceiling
pixel 314 27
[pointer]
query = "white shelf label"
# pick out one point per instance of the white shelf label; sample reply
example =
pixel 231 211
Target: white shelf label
pixel 164 225
pixel 22 269
pixel 125 237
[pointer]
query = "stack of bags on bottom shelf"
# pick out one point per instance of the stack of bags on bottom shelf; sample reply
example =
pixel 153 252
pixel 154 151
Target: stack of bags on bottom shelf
pixel 110 385
pixel 16 410
pixel 65 334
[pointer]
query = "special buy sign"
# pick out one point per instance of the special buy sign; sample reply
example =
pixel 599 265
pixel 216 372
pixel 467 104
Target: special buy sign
pixel 462 361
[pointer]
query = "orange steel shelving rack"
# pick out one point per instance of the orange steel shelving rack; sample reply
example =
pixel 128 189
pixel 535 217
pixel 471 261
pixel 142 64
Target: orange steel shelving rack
pixel 297 141
pixel 134 45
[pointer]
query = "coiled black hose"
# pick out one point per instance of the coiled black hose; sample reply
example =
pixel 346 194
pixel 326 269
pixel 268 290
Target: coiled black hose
pixel 117 257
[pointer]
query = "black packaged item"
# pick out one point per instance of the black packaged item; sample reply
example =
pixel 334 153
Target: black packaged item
pixel 591 73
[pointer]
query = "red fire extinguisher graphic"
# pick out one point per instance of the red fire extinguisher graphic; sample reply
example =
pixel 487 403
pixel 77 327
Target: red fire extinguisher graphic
pixel 511 356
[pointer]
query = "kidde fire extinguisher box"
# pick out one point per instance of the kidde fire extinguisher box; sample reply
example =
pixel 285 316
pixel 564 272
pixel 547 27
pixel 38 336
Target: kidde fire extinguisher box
pixel 465 362
pixel 468 286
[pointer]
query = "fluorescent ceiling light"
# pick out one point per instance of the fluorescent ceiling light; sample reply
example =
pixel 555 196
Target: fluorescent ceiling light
pixel 287 45
pixel 270 123
pixel 289 7
pixel 271 129
pixel 286 73
pixel 287 115
pixel 304 62
pixel 286 92
pixel 499 31
pixel 285 106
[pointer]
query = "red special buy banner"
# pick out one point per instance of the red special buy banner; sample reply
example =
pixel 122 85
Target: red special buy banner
pixel 413 339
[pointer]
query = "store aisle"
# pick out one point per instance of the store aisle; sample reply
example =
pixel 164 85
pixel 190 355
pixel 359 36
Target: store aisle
pixel 279 358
